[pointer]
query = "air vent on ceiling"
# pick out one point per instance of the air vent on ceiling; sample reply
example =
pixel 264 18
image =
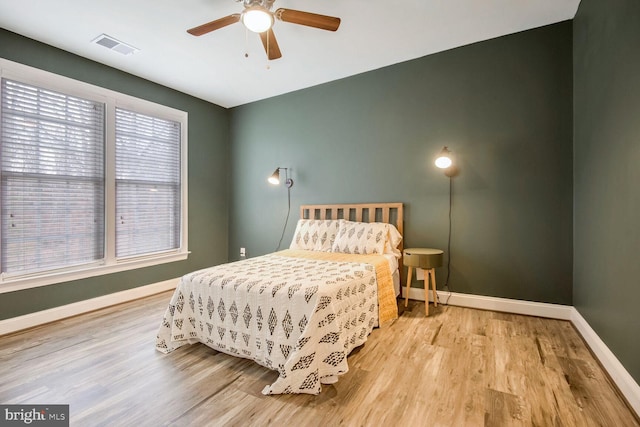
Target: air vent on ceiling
pixel 113 44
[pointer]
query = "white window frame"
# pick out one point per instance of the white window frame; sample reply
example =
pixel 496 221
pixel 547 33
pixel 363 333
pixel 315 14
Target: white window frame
pixel 111 99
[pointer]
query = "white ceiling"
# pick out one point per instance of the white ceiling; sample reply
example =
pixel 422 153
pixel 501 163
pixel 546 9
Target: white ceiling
pixel 373 34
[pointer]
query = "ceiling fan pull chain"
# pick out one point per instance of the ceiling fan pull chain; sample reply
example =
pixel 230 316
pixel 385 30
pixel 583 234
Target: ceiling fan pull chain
pixel 246 42
pixel 268 66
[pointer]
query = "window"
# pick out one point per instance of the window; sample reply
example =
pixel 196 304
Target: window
pixel 52 179
pixel 91 181
pixel 147 184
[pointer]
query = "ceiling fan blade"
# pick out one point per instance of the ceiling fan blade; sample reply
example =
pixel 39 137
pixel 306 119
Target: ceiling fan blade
pixel 270 44
pixel 214 25
pixel 309 19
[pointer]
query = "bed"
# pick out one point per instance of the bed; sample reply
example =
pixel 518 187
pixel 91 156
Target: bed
pixel 302 310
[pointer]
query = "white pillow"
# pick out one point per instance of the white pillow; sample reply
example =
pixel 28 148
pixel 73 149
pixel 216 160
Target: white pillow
pixel 393 240
pixel 315 234
pixel 361 238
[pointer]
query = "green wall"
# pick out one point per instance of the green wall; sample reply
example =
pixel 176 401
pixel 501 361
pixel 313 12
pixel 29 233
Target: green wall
pixel 503 106
pixel 208 178
pixel 607 173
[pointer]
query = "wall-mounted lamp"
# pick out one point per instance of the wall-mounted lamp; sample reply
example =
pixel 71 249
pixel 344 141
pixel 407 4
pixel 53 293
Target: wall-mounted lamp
pixel 275 178
pixel 444 160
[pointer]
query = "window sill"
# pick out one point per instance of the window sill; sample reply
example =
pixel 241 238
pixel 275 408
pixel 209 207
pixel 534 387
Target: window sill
pixel 21 283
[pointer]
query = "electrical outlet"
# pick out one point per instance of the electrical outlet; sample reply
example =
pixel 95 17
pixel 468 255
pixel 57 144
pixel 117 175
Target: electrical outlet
pixel 242 252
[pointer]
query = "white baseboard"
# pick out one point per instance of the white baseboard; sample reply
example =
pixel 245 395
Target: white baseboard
pixel 620 376
pixel 540 309
pixel 30 320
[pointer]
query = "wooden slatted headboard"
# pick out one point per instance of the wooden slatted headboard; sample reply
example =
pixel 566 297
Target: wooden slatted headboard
pixel 390 213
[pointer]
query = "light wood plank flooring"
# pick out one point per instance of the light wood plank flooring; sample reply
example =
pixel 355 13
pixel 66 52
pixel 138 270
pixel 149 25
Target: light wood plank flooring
pixel 458 367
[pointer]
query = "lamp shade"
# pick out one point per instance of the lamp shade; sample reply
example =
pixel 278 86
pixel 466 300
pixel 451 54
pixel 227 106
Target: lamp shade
pixel 443 160
pixel 257 19
pixel 275 177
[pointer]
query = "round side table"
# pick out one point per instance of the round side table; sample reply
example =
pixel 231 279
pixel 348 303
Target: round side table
pixel 427 259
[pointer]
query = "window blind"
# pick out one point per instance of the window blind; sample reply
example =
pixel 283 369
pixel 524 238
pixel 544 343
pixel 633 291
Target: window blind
pixel 148 198
pixel 52 173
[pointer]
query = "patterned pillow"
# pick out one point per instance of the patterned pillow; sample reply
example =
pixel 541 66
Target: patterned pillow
pixel 361 238
pixel 315 234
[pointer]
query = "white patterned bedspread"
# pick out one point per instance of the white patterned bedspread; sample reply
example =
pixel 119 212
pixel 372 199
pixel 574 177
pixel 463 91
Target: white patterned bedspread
pixel 301 317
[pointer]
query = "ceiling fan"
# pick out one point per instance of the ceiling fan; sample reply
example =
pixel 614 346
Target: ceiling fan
pixel 258 17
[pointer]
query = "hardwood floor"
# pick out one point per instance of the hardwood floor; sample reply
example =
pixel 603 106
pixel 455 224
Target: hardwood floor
pixel 458 367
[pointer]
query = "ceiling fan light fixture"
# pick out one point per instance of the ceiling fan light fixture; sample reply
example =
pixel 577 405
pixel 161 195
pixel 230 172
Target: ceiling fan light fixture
pixel 257 19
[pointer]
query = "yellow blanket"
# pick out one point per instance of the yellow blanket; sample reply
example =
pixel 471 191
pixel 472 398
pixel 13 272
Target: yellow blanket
pixel 387 304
